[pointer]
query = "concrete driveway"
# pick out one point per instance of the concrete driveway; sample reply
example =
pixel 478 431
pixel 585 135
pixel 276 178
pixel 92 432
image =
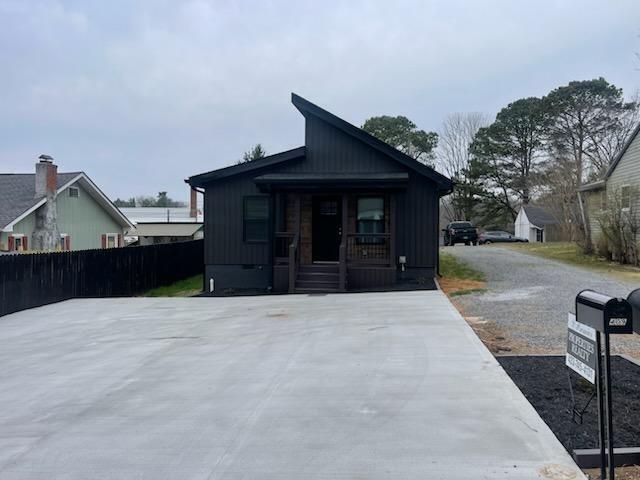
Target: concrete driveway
pixel 352 386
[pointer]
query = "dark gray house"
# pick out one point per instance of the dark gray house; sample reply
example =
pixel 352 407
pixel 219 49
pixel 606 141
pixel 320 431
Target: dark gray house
pixel 344 212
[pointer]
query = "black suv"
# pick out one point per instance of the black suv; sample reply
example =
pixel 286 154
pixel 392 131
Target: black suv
pixel 460 232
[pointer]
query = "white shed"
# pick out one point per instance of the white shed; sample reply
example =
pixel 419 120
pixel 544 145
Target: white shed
pixel 535 224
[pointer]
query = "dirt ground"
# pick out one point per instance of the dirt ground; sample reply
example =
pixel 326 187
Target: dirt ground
pixel 622 473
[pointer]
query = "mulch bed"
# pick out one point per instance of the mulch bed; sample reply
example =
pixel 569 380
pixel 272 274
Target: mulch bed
pixel 544 380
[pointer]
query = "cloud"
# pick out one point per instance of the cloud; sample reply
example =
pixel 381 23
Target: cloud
pixel 143 94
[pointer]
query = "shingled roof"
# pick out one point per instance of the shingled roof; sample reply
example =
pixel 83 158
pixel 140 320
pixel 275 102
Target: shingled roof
pixel 17 193
pixel 539 216
pixel 18 196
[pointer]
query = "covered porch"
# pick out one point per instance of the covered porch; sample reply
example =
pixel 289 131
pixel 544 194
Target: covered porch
pixel 331 235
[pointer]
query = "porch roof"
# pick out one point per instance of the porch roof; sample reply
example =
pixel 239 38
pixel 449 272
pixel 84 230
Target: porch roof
pixel 331 180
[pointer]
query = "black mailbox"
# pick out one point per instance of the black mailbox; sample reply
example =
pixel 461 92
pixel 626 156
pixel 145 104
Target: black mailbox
pixel 604 313
pixel 634 301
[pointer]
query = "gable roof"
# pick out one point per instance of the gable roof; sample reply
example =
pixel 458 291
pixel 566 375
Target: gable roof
pixel 620 154
pixel 276 159
pixel 17 196
pixel 306 107
pixel 538 216
pixel 601 183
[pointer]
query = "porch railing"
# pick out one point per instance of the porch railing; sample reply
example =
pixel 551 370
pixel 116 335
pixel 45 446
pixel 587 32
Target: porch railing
pixel 282 242
pixel 369 248
pixel 293 263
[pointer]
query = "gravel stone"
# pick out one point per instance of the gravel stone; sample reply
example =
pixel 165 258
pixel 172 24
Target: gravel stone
pixel 528 297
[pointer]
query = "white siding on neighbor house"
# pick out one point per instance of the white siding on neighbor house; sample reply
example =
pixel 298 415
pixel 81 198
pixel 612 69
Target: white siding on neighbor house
pixel 524 228
pixel 522 225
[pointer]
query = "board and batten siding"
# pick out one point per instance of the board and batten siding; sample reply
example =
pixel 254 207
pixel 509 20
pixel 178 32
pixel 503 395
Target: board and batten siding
pixel 330 150
pixel 417 222
pixel 224 225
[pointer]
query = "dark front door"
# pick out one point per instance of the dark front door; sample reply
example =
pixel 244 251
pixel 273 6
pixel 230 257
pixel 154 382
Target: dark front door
pixel 326 227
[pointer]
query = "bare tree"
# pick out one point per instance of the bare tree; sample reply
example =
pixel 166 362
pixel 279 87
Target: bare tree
pixel 607 143
pixel 456 135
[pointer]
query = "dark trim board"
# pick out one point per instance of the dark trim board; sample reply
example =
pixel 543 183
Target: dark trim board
pixel 203 179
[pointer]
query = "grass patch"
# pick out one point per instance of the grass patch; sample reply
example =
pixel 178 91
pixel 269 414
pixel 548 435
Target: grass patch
pixel 183 288
pixel 458 293
pixel 572 254
pixel 458 278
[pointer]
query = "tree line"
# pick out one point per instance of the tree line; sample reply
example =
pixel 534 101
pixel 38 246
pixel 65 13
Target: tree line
pixel 161 200
pixel 538 149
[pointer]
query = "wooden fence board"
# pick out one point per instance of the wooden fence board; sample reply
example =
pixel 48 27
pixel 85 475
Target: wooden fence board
pixel 32 280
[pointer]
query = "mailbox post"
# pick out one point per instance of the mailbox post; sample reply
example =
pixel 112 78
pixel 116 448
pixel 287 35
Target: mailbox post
pixel 604 315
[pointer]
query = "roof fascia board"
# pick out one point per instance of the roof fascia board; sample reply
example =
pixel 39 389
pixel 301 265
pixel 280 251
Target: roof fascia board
pixel 304 105
pixel 275 159
pixel 9 226
pixel 619 156
pixel 104 201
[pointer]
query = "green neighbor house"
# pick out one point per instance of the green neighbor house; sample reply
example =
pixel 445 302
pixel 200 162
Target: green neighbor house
pixel 50 211
pixel 618 192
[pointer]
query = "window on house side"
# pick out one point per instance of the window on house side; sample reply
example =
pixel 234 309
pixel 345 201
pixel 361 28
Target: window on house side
pixel 112 240
pixel 256 218
pixel 74 192
pixel 603 200
pixel 370 218
pixel 625 197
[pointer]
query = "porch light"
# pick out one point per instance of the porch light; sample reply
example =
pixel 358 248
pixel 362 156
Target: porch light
pixel 402 260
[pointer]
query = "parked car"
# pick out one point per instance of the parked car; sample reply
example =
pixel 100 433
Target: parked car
pixel 460 232
pixel 497 237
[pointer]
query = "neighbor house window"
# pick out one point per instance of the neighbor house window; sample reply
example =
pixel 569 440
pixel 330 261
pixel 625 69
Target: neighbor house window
pixel 18 243
pixel 256 218
pixel 370 218
pixel 65 242
pixel 110 240
pixel 603 200
pixel 74 192
pixel 625 197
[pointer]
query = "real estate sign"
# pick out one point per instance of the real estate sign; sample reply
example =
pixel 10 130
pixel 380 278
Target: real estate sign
pixel 581 349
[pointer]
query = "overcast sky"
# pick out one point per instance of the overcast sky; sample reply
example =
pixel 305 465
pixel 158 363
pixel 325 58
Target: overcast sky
pixel 141 94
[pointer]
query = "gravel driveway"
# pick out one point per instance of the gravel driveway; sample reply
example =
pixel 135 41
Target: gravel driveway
pixel 528 298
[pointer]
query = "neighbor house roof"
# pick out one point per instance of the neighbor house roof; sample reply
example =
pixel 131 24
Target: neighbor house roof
pixel 164 229
pixel 18 190
pixel 307 108
pixel 539 216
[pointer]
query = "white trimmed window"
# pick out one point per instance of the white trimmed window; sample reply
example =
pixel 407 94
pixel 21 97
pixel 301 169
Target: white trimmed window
pixel 74 192
pixel 112 240
pixel 65 242
pixel 625 197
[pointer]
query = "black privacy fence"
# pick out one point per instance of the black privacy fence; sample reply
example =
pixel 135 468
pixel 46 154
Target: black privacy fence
pixel 31 280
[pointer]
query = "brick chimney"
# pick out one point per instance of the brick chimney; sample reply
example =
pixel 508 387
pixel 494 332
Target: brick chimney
pixel 46 235
pixel 193 204
pixel 46 176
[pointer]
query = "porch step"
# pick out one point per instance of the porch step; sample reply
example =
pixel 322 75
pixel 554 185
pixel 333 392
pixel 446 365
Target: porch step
pixel 316 284
pixel 317 290
pixel 318 278
pixel 319 268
